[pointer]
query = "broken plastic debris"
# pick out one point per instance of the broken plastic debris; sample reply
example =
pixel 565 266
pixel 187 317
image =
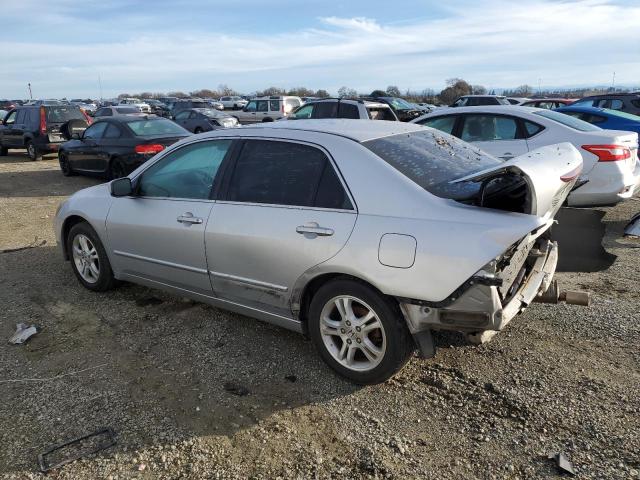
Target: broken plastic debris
pixel 75 449
pixel 563 463
pixel 633 227
pixel 23 333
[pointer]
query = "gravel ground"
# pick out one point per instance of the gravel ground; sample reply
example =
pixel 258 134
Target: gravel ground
pixel 195 392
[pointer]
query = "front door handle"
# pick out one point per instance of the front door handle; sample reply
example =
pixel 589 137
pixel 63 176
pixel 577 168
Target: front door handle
pixel 314 229
pixel 189 219
pixel 506 156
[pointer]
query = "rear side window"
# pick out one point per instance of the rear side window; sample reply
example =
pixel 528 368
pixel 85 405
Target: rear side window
pixel 531 128
pixel 487 128
pixel 95 131
pixel 326 110
pixel 444 124
pixel 112 131
pixel 330 192
pixel 274 105
pixel 431 159
pixel 381 113
pixel 347 110
pixel 616 104
pixel 280 173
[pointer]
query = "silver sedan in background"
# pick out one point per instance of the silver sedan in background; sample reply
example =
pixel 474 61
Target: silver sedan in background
pixel 365 235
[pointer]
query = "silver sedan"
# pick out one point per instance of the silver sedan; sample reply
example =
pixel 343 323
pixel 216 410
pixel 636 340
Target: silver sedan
pixel 365 235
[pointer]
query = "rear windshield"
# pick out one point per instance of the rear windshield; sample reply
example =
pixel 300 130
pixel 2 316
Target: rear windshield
pixel 618 113
pixel 127 110
pixel 568 121
pixel 432 159
pixel 63 114
pixel 146 128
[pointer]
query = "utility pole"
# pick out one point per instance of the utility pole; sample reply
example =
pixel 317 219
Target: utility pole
pixel 30 94
pixel 539 83
pixel 100 83
pixel 613 81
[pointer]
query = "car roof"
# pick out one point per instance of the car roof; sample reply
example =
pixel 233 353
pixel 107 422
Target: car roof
pixel 128 119
pixel 357 130
pixel 506 109
pixel 621 94
pixel 485 96
pixel 350 101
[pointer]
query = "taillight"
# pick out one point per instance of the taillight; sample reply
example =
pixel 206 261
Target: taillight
pixel 608 153
pixel 150 149
pixel 43 121
pixel 282 106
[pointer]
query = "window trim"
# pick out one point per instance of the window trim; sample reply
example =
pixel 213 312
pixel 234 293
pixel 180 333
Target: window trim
pixel 230 169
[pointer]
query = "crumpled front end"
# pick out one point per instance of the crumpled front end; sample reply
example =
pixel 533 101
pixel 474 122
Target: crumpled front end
pixel 495 294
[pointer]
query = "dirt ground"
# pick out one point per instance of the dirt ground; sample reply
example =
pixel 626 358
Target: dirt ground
pixel 195 392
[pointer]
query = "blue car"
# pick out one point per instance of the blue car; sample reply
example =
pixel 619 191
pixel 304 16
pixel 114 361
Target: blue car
pixel 604 118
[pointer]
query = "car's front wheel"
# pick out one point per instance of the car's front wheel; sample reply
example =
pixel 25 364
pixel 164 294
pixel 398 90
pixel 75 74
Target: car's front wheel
pixel 89 259
pixel 117 169
pixel 359 332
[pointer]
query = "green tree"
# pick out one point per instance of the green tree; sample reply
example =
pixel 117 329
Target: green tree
pixel 347 92
pixel 393 91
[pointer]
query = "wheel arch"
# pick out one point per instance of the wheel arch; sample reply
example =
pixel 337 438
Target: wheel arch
pixel 67 225
pixel 302 301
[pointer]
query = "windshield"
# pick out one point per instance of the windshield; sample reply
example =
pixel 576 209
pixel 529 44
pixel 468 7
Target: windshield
pixel 64 114
pixel 400 104
pixel 433 159
pixel 568 121
pixel 145 128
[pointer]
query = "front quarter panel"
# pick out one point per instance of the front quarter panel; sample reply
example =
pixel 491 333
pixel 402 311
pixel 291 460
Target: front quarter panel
pixel 92 205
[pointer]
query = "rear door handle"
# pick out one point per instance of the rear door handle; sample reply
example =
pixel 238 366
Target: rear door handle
pixel 188 218
pixel 314 228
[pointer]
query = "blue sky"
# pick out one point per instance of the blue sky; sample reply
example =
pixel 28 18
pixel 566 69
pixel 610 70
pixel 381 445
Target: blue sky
pixel 160 45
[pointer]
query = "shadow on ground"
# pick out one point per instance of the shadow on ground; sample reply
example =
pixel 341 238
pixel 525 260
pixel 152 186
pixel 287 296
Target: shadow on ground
pixel 580 234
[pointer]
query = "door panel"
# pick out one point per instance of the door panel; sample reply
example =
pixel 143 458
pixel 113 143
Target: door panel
pixel 256 253
pixel 150 238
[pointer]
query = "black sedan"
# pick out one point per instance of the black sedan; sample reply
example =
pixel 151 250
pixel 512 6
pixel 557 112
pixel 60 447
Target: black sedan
pixel 198 120
pixel 115 146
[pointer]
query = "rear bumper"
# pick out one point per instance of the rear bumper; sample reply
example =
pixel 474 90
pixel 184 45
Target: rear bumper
pixel 609 183
pixel 480 308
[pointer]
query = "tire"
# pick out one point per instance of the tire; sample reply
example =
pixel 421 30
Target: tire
pixel 88 258
pixel 32 151
pixel 388 343
pixel 4 151
pixel 65 167
pixel 117 169
pixel 264 120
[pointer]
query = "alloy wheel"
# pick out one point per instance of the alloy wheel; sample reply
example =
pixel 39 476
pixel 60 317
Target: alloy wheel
pixel 85 258
pixel 352 333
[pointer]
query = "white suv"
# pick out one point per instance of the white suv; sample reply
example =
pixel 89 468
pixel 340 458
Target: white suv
pixel 267 109
pixel 234 102
pixel 344 108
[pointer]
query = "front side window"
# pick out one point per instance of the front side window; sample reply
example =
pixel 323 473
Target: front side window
pixel 487 128
pixel 277 173
pixel 95 131
pixel 444 124
pixel 251 106
pixel 461 102
pixel 303 112
pixel 188 172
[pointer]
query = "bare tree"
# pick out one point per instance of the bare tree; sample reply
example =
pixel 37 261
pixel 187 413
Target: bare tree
pixel 225 90
pixel 478 90
pixel 322 93
pixel 393 91
pixel 456 88
pixel 347 92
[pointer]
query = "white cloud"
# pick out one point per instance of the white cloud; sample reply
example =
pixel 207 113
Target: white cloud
pixel 496 43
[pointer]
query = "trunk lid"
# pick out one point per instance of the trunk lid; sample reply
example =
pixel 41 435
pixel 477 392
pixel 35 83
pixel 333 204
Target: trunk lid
pixel 537 182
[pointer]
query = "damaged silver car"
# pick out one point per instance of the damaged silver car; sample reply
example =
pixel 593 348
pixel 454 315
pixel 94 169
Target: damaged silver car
pixel 364 235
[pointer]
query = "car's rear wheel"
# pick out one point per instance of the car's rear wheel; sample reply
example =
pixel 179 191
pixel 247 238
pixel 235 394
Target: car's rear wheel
pixel 65 166
pixel 117 169
pixel 267 119
pixel 89 259
pixel 32 151
pixel 359 333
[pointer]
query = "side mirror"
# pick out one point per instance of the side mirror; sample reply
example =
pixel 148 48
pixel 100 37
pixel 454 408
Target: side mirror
pixel 121 187
pixel 76 136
